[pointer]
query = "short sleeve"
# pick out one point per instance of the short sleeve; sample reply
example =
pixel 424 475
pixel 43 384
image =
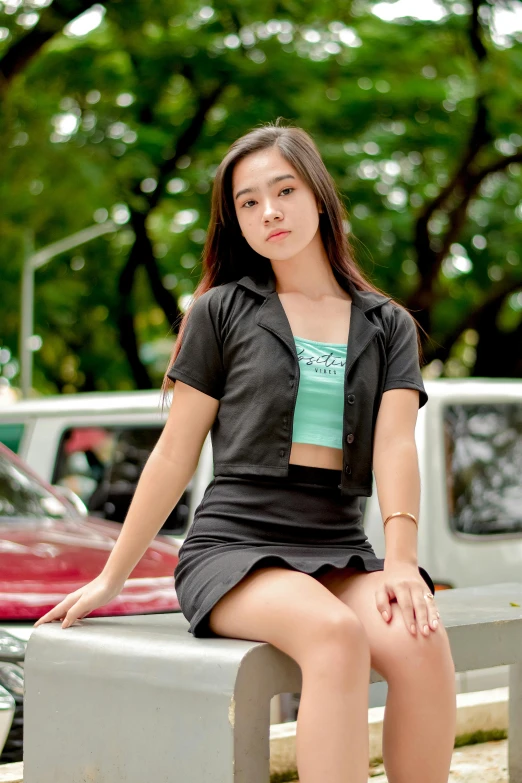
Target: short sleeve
pixel 199 362
pixel 403 367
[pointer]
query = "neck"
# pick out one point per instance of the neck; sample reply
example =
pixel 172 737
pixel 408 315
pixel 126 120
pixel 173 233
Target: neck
pixel 308 273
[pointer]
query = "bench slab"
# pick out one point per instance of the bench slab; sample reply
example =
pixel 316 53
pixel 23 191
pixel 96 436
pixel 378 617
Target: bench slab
pixel 139 698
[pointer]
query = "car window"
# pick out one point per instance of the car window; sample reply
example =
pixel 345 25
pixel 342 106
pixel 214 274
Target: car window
pixel 103 465
pixel 484 467
pixel 22 496
pixel 11 435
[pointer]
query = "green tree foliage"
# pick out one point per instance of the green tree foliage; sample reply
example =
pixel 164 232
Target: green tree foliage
pixel 418 121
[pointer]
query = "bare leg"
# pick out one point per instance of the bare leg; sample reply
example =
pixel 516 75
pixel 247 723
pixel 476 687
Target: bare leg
pixel 420 714
pixel 299 616
pixel 332 723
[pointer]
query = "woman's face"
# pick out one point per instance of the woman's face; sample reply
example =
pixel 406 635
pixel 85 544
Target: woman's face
pixel 288 204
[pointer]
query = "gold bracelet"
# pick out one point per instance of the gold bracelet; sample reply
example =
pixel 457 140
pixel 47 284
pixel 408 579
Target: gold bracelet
pixel 400 514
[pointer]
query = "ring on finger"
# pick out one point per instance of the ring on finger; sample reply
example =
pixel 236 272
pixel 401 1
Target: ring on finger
pixel 430 596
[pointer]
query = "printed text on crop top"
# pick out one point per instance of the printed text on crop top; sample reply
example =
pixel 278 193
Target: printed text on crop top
pixel 318 416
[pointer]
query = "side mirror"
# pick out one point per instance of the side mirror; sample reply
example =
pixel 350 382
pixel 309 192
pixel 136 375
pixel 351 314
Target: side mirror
pixel 72 498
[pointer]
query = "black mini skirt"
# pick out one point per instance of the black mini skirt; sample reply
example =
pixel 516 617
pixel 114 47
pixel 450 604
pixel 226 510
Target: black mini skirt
pixel 299 521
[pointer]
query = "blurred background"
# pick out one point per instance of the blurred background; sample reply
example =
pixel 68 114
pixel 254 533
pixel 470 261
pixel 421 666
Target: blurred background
pixel 113 120
pixel 114 117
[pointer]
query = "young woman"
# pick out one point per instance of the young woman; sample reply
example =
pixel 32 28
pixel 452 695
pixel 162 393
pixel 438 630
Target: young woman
pixel 308 378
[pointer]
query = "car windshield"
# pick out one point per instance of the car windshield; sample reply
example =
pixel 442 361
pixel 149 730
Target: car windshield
pixel 23 496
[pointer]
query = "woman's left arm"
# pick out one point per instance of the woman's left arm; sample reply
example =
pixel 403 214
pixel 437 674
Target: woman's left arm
pixel 396 470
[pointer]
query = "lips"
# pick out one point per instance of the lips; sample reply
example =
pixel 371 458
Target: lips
pixel 278 234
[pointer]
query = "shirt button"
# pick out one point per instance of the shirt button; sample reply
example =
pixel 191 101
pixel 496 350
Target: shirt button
pixel 351 398
pixel 350 437
pixel 347 470
pixel 281 452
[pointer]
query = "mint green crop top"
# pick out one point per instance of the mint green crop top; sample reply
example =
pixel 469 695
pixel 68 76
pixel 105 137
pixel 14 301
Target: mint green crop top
pixel 318 415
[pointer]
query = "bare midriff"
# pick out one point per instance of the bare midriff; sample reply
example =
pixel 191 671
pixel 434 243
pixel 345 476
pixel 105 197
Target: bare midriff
pixel 316 456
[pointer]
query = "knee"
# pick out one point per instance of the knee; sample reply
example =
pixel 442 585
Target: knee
pixel 407 656
pixel 338 637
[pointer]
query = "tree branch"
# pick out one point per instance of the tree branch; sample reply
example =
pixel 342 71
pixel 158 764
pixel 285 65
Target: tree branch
pixel 125 317
pixel 161 294
pixel 459 215
pixel 475 30
pixel 52 20
pixel 453 198
pixel 429 261
pixel 183 145
pixel 186 140
pixel 494 300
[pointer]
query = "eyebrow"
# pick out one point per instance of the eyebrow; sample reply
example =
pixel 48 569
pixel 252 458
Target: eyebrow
pixel 269 183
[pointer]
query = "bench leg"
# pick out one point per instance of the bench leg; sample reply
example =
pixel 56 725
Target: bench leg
pixel 515 724
pixel 264 672
pixel 251 726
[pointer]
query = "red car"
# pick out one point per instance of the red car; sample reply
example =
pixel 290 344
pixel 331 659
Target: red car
pixel 48 549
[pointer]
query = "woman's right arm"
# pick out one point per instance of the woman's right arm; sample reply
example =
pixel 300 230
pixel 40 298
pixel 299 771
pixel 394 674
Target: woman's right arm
pixel 166 474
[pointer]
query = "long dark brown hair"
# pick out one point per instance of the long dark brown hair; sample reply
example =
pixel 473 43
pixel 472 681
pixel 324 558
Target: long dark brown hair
pixel 227 255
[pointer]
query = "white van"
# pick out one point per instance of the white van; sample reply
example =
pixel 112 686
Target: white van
pixel 469 439
pixel 96 444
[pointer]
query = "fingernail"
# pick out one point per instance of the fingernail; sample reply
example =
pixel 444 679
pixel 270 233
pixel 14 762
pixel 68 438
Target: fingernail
pixel 426 630
pixel 413 628
pixel 385 615
pixel 435 623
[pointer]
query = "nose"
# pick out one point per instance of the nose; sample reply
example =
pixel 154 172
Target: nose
pixel 271 211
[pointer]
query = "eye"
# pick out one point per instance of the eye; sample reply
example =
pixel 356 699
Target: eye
pixel 250 201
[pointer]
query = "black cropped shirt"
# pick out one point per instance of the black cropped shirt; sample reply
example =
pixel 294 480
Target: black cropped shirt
pixel 238 347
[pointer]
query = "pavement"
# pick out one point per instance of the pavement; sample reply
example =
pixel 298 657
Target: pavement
pixel 11 773
pixel 485 762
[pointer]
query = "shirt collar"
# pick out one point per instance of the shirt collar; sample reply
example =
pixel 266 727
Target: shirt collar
pixel 265 285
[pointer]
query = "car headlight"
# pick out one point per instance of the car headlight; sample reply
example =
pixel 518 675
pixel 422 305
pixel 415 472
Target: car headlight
pixel 12 678
pixel 11 648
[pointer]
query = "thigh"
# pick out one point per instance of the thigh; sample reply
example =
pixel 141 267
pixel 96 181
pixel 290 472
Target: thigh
pixel 287 608
pixel 392 646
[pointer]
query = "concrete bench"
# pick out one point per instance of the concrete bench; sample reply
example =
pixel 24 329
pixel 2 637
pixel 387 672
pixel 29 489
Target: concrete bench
pixel 134 699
